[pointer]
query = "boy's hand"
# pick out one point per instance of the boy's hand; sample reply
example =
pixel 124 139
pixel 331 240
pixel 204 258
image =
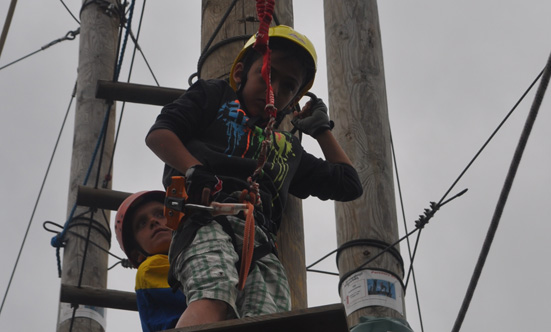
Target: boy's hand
pixel 201 185
pixel 312 119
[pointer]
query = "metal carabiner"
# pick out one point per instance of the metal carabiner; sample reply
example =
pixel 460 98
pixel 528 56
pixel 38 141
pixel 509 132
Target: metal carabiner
pixel 71 35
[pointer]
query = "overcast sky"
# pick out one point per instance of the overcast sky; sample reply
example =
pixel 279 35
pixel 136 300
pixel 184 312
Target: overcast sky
pixel 453 71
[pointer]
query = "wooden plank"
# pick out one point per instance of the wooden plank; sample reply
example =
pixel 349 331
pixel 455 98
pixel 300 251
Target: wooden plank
pixel 136 93
pixel 329 318
pixel 98 297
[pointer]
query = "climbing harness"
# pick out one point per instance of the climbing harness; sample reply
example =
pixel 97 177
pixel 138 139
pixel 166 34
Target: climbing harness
pixel 176 208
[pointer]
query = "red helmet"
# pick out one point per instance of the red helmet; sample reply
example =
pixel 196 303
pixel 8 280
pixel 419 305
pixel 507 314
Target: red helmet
pixel 123 226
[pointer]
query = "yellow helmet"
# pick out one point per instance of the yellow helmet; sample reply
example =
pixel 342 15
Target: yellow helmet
pixel 286 32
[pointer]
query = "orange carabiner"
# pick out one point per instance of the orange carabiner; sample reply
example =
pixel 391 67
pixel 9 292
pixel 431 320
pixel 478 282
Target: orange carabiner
pixel 176 197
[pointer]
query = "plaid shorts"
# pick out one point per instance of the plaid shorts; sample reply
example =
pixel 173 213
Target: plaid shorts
pixel 206 270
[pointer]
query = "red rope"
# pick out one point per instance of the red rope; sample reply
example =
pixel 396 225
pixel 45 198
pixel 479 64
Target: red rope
pixel 265 10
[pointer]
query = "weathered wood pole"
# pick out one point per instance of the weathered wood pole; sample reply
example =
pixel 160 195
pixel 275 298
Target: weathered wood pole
pixel 358 105
pixel 243 21
pixel 87 265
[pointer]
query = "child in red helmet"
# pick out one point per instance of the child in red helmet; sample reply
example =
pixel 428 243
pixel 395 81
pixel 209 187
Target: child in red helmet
pixel 141 231
pixel 213 135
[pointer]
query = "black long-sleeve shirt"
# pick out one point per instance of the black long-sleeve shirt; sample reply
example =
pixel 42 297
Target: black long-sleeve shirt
pixel 209 121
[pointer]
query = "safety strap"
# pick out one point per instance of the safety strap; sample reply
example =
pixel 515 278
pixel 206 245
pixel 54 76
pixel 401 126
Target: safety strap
pixel 187 231
pixel 248 247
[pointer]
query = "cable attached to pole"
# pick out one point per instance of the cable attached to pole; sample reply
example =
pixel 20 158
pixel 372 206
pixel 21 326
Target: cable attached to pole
pixel 504 194
pixel 7 25
pixel 71 35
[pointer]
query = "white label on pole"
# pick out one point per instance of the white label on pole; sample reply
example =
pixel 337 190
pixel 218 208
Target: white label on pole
pixel 372 288
pixel 86 311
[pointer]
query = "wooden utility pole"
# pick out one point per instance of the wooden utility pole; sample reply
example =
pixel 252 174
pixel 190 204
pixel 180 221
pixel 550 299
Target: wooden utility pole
pixel 358 104
pixel 243 21
pixel 86 265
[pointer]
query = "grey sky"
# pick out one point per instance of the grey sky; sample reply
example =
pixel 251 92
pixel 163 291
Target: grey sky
pixel 453 71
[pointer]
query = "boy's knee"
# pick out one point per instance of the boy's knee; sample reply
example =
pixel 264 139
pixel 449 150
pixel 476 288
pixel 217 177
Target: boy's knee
pixel 203 311
pixel 215 309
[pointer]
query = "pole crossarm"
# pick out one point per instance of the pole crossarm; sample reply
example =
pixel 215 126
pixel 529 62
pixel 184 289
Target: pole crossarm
pixel 105 298
pixel 100 198
pixel 136 93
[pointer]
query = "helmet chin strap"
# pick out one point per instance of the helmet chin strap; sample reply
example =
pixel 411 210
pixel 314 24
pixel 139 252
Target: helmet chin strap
pixel 141 253
pixel 283 113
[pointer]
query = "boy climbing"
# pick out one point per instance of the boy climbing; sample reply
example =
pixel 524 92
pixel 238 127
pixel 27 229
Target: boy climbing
pixel 215 134
pixel 141 231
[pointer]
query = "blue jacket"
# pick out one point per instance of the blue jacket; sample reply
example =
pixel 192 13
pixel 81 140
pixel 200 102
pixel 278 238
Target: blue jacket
pixel 158 306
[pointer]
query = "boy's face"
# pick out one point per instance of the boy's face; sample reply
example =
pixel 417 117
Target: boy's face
pixel 287 77
pixel 150 230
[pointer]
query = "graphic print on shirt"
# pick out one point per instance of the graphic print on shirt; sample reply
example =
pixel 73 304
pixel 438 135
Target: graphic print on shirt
pixel 246 142
pixel 236 130
pixel 280 152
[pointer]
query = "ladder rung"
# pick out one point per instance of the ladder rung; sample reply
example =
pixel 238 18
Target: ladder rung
pixel 98 297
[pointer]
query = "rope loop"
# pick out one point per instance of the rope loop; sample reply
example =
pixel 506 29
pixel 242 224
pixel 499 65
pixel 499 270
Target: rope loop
pixel 57 242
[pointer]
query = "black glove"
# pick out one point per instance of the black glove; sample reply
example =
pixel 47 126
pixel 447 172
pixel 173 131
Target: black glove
pixel 313 119
pixel 201 185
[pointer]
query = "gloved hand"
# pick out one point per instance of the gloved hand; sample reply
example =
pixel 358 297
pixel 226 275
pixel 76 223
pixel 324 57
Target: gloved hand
pixel 312 119
pixel 201 185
